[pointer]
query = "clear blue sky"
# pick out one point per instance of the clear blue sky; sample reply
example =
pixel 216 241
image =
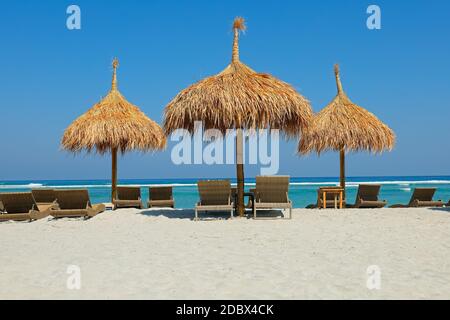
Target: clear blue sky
pixel 50 75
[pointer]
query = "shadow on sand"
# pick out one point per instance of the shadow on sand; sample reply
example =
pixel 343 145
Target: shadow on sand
pixel 190 214
pixel 443 209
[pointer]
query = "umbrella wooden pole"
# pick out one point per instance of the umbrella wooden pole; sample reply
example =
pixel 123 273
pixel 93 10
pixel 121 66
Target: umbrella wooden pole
pixel 342 177
pixel 240 171
pixel 239 142
pixel 114 174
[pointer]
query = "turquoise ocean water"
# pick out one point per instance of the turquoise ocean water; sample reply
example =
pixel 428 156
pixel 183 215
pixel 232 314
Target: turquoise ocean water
pixel 302 190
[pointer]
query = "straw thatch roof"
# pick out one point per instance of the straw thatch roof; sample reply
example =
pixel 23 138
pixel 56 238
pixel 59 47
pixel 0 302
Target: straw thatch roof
pixel 239 97
pixel 113 123
pixel 345 125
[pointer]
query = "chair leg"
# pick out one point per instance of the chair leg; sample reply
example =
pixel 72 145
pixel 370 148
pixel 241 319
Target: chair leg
pixel 231 217
pixel 290 213
pixel 196 215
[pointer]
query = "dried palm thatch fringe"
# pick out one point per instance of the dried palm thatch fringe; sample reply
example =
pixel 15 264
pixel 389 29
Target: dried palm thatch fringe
pixel 113 123
pixel 345 125
pixel 239 97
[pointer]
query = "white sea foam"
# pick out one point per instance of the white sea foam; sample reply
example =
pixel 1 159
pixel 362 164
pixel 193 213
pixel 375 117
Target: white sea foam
pixel 144 185
pixel 405 185
pixel 348 184
pixel 21 186
pixel 401 183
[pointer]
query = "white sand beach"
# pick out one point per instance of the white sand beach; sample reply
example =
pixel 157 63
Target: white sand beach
pixel 132 254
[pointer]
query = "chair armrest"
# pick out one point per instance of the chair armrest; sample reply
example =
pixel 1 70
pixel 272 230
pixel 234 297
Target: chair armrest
pixel 415 203
pixel 55 205
pixel 256 193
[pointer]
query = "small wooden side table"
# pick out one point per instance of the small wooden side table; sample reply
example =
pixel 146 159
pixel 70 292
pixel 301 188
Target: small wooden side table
pixel 251 195
pixel 338 194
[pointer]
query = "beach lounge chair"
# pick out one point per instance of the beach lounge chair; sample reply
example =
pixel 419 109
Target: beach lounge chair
pixel 75 204
pixel 271 192
pixel 44 197
pixel 214 196
pixel 21 206
pixel 330 201
pixel 160 197
pixel 128 197
pixel 367 197
pixel 421 197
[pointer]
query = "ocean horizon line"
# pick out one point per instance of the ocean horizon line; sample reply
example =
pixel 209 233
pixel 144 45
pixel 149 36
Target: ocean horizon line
pixel 400 177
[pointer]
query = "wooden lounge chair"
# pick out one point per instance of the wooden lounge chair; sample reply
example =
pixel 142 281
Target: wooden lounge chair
pixel 161 197
pixel 421 197
pixel 128 197
pixel 367 197
pixel 75 204
pixel 214 196
pixel 44 197
pixel 330 201
pixel 271 192
pixel 21 206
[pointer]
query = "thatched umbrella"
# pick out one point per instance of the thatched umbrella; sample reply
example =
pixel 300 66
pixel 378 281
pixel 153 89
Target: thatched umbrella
pixel 113 125
pixel 344 126
pixel 239 98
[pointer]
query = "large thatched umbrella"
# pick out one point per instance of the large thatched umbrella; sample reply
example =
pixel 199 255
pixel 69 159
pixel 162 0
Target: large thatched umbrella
pixel 239 98
pixel 344 126
pixel 113 125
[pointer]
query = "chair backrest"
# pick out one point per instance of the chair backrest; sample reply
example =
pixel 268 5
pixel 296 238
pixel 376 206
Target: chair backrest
pixel 160 193
pixel 72 199
pixel 423 194
pixel 214 192
pixel 368 192
pixel 44 195
pixel 128 193
pixel 272 189
pixel 20 202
